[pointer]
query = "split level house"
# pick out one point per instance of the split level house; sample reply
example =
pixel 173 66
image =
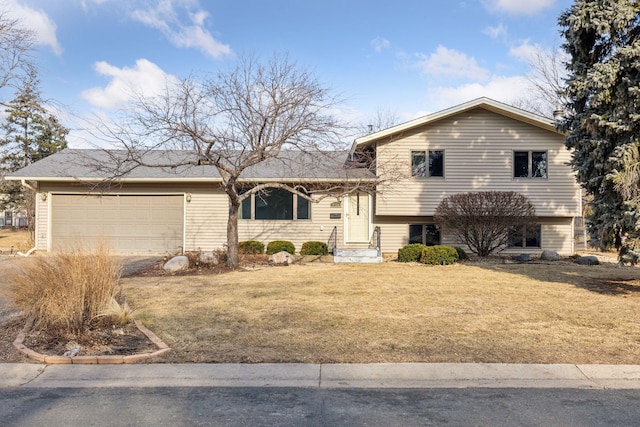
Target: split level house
pixel 481 145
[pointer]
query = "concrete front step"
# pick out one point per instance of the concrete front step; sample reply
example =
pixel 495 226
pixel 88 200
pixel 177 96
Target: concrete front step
pixel 357 256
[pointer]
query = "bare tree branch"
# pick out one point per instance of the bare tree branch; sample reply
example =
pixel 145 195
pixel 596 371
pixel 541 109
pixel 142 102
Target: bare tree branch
pixel 273 115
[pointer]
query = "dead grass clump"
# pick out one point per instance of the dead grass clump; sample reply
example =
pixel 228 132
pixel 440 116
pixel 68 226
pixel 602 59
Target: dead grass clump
pixel 119 314
pixel 66 290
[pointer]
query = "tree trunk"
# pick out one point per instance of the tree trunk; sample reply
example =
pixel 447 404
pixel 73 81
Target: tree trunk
pixel 233 260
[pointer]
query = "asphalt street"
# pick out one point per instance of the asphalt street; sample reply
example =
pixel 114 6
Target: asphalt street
pixel 258 406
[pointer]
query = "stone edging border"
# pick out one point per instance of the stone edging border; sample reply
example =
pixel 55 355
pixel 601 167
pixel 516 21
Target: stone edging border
pixel 92 360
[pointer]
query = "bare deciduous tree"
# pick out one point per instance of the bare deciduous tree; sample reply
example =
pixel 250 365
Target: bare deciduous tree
pixel 382 119
pixel 546 80
pixel 272 112
pixel 483 220
pixel 16 44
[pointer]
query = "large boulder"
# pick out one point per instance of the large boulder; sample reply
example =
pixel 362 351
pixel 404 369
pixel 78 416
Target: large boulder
pixel 177 263
pixel 587 260
pixel 208 258
pixel 284 258
pixel 548 255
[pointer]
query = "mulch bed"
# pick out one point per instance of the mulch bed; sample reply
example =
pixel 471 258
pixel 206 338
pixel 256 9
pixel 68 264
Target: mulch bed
pixel 101 337
pixel 247 262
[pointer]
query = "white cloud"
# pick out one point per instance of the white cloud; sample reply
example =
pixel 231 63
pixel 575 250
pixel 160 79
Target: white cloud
pixel 526 52
pixel 379 44
pixel 452 63
pixel 36 20
pixel 500 88
pixel 518 7
pixel 166 17
pixel 146 78
pixel 499 32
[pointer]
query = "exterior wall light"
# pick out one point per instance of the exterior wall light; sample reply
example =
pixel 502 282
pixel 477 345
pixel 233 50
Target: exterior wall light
pixel 188 197
pixel 43 197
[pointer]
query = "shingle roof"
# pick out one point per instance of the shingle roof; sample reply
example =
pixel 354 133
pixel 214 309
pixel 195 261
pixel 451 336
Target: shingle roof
pixel 95 164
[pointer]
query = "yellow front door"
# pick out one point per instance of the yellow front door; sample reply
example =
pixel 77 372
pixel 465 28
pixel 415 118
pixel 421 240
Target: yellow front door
pixel 358 217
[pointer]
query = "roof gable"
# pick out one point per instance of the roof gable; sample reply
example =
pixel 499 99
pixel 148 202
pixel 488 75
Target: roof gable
pixel 484 103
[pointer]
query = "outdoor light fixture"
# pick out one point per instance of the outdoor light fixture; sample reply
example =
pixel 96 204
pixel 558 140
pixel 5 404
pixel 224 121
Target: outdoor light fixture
pixel 188 197
pixel 43 197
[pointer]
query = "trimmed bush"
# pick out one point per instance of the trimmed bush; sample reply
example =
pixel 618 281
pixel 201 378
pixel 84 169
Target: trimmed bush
pixel 279 246
pixel 439 255
pixel 314 248
pixel 410 253
pixel 462 255
pixel 252 247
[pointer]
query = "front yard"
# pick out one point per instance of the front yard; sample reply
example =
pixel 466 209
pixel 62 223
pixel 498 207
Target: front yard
pixel 392 312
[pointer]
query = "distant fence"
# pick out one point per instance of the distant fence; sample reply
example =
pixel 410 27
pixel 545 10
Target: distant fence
pixel 581 238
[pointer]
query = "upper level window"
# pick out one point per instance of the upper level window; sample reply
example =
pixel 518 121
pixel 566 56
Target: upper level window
pixel 275 204
pixel 433 168
pixel 529 164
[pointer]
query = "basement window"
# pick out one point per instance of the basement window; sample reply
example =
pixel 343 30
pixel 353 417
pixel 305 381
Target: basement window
pixel 427 234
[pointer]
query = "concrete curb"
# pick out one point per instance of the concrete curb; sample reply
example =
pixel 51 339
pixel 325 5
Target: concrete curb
pixel 163 348
pixel 338 376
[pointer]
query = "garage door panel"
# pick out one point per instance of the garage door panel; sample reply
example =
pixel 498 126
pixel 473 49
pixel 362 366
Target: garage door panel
pixel 128 224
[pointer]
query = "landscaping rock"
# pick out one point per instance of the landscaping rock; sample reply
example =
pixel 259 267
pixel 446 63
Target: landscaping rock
pixel 283 257
pixel 208 258
pixel 177 263
pixel 522 258
pixel 550 256
pixel 587 260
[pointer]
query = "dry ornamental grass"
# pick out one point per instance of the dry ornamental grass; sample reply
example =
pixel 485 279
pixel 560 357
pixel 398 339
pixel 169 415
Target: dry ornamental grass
pixel 393 312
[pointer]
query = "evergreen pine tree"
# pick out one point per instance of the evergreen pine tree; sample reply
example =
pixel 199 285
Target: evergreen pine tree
pixel 602 39
pixel 30 134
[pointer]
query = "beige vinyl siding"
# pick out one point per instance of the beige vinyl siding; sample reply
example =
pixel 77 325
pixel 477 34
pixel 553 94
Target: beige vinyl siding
pixel 206 217
pixel 42 222
pixel 557 235
pixel 478 146
pixel 206 220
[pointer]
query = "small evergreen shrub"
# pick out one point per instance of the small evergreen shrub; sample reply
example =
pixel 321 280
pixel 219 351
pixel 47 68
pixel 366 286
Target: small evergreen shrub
pixel 439 255
pixel 252 247
pixel 314 248
pixel 410 253
pixel 279 246
pixel 462 255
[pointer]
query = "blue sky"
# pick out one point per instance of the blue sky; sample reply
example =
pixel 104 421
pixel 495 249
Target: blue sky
pixel 408 57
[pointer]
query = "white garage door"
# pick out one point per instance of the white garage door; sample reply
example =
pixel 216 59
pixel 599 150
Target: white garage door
pixel 128 224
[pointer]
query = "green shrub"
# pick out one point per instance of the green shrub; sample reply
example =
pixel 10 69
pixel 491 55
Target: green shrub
pixel 410 253
pixel 439 255
pixel 314 248
pixel 66 290
pixel 279 246
pixel 252 247
pixel 462 255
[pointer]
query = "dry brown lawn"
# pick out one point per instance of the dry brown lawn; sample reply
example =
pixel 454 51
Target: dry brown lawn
pixel 12 240
pixel 392 312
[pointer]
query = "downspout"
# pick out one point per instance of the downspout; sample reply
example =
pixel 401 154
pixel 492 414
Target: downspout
pixel 35 190
pixel 29 186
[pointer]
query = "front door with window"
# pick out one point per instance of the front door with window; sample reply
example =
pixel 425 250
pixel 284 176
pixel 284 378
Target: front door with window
pixel 358 218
